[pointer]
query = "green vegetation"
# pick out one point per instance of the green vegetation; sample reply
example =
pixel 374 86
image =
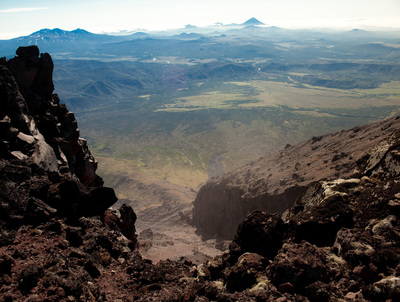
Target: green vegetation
pixel 173 138
pixel 183 110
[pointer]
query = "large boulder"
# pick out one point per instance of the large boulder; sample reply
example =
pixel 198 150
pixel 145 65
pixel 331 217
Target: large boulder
pixel 300 265
pixel 260 233
pixel 32 71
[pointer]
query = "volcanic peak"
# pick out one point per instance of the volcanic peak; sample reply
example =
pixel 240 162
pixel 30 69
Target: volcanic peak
pixel 252 22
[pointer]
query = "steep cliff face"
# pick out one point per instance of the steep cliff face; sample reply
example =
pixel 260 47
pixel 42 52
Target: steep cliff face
pixel 273 183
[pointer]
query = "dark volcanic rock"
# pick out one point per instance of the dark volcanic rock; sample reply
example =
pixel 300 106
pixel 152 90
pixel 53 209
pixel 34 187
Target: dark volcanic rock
pixel 33 72
pixel 244 273
pixel 124 223
pixel 260 233
pixel 127 223
pixel 38 211
pixel 320 224
pixel 46 132
pixel 5 264
pixel 39 180
pixel 300 265
pixel 28 278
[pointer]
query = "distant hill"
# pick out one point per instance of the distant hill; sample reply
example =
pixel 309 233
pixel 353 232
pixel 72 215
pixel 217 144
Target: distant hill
pixel 57 32
pixel 98 88
pixel 252 21
pixel 58 35
pixel 77 42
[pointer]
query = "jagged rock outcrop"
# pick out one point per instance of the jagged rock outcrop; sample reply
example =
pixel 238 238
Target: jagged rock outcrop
pixel 46 169
pixel 274 182
pixel 55 235
pixel 35 125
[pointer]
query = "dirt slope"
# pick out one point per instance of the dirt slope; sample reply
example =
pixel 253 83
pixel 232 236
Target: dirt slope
pixel 273 183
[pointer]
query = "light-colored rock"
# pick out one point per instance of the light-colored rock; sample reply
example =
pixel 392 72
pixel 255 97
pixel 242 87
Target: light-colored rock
pixel 384 225
pixel 390 286
pixel 331 187
pixel 45 157
pixel 29 139
pixel 19 155
pixel 376 155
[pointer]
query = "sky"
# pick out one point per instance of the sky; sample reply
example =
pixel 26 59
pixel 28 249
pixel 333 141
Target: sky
pixel 23 17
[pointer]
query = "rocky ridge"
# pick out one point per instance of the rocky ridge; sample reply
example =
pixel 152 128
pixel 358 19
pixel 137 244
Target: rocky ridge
pixel 43 158
pixel 48 177
pixel 274 182
pixel 338 242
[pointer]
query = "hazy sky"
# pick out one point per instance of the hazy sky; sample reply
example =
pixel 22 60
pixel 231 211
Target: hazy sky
pixel 22 17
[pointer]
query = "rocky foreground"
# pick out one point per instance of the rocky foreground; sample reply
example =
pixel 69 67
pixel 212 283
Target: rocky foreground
pixel 339 241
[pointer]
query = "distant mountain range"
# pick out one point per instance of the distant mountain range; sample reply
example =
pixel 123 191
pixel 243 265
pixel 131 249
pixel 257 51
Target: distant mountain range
pixel 83 44
pixel 59 33
pixel 234 51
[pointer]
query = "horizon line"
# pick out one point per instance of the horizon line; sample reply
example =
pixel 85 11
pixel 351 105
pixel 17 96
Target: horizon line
pixel 373 28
